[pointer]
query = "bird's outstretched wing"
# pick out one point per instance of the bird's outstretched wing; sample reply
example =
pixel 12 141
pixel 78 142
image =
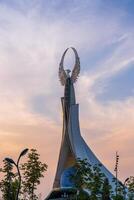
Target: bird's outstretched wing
pixel 76 69
pixel 62 73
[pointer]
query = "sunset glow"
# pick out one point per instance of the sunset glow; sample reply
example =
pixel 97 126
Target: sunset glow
pixel 33 36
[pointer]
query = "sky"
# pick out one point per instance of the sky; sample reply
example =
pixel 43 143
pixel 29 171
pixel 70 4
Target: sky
pixel 33 37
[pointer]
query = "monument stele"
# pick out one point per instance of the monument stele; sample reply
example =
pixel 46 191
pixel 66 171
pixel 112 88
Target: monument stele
pixel 73 145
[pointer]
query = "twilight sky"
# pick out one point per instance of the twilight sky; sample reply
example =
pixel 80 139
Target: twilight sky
pixel 33 36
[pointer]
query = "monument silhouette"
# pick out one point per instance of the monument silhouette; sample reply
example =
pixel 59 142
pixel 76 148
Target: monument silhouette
pixel 73 145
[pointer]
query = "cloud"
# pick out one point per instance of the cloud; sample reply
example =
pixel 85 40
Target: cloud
pixel 32 39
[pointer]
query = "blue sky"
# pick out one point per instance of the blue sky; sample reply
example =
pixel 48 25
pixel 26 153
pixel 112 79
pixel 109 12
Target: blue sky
pixel 33 36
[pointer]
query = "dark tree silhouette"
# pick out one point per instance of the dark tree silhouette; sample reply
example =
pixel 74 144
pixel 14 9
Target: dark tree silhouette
pixel 32 172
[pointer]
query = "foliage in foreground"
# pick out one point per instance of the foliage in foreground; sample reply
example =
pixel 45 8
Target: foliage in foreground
pixel 32 171
pixel 8 183
pixel 85 176
pixel 92 179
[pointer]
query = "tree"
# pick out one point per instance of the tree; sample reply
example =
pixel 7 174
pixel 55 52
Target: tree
pixel 106 190
pixel 14 187
pixel 32 172
pixel 7 185
pixel 88 177
pixel 120 191
pixel 82 171
pixel 95 185
pixel 130 185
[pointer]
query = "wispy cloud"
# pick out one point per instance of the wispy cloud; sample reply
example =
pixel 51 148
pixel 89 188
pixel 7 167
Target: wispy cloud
pixel 33 35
